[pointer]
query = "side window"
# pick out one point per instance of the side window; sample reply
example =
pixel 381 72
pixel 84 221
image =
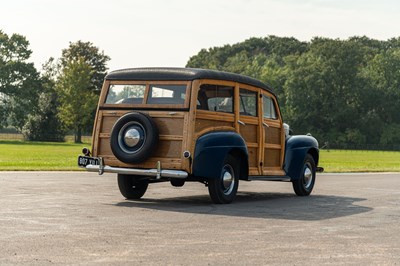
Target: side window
pixel 248 102
pixel 269 110
pixel 167 94
pixel 215 98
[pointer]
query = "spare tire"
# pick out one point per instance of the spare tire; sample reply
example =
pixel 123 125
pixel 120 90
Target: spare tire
pixel 134 137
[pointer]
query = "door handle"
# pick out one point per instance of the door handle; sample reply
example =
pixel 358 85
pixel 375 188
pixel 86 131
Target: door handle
pixel 265 124
pixel 241 122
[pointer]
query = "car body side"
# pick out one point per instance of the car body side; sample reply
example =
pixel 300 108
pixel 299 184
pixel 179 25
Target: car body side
pixel 206 135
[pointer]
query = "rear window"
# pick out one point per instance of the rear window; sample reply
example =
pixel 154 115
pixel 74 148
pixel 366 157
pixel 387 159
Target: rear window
pixel 136 94
pixel 120 94
pixel 167 94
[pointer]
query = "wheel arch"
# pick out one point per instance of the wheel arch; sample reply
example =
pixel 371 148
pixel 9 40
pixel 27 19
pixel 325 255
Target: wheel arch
pixel 211 150
pixel 244 163
pixel 315 154
pixel 297 147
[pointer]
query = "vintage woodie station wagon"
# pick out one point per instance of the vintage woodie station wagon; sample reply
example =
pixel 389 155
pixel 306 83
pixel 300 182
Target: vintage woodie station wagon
pixel 181 124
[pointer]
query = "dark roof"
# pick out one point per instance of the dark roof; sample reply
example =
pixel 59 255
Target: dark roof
pixel 171 74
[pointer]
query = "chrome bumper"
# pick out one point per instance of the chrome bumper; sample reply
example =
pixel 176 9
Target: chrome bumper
pixel 157 173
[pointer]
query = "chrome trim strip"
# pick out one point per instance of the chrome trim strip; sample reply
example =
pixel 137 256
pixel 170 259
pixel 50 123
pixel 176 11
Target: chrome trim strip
pixel 131 171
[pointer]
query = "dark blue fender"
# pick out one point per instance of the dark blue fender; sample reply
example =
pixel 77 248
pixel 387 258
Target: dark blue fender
pixel 211 150
pixel 296 149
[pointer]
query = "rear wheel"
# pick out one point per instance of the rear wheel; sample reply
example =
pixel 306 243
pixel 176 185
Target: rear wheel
pixel 305 184
pixel 224 188
pixel 132 187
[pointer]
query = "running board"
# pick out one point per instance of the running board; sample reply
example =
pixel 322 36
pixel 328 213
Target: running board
pixel 269 178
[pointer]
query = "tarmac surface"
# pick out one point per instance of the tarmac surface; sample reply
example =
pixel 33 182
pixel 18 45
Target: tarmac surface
pixel 80 218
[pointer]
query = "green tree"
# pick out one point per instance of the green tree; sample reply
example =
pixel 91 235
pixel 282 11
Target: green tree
pixel 96 60
pixel 324 89
pixel 383 100
pixel 44 124
pixel 236 58
pixel 342 91
pixel 19 81
pixel 92 56
pixel 77 102
pixel 261 58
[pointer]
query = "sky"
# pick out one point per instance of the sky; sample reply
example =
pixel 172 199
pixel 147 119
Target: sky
pixel 143 33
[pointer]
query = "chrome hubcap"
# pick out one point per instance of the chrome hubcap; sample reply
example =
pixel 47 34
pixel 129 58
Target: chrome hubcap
pixel 228 179
pixel 132 137
pixel 308 176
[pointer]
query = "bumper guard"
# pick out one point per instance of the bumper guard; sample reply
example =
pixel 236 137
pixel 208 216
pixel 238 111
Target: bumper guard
pixel 157 172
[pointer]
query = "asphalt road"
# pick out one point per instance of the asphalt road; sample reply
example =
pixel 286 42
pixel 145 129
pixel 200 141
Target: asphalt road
pixel 79 218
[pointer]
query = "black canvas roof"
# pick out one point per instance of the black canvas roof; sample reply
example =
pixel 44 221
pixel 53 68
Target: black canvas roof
pixel 171 74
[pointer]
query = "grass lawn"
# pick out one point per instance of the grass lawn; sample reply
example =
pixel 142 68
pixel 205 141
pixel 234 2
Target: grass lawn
pixel 50 156
pixel 339 161
pixel 36 156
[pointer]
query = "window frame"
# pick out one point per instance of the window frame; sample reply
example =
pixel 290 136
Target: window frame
pixel 273 105
pixel 255 92
pixel 144 104
pixel 221 84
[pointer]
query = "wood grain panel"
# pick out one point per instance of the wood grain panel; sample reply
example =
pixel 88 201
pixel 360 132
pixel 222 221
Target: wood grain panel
pixel 272 157
pixel 202 124
pixel 249 133
pixel 253 157
pixel 272 135
pixel 169 149
pixel 169 126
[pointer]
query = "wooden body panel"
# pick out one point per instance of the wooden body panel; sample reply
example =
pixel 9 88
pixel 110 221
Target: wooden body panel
pixel 274 146
pixel 170 146
pixel 181 127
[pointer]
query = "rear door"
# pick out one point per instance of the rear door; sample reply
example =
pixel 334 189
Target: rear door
pixel 249 126
pixel 273 135
pixel 166 102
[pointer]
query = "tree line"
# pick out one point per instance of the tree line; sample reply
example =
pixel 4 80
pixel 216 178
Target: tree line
pixel 60 99
pixel 344 92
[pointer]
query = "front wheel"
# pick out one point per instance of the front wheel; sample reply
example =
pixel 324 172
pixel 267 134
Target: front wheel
pixel 305 184
pixel 132 187
pixel 223 189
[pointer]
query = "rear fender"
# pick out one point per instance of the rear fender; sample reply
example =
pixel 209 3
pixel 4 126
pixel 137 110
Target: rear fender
pixel 211 150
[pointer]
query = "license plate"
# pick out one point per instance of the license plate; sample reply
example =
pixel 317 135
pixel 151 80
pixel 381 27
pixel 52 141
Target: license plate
pixel 84 161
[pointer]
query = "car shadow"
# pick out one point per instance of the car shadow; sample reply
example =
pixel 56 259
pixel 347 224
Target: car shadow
pixel 259 205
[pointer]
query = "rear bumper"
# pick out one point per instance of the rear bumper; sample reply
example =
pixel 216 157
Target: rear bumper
pixel 156 173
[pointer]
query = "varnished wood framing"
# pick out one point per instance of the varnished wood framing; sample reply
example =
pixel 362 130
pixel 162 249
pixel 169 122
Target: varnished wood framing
pixel 253 120
pixel 102 126
pixel 146 94
pixel 97 120
pixel 273 123
pixel 190 134
pixel 175 142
